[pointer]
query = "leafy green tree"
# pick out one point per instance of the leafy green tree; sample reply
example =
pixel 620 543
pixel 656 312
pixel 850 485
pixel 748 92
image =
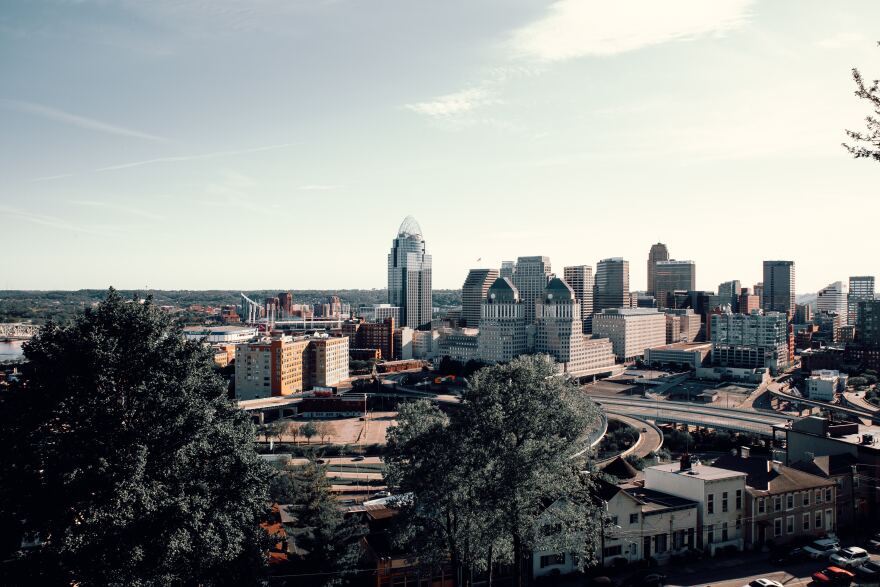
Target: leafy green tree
pixel 328 539
pixel 857 382
pixel 128 460
pixel 867 142
pixel 481 479
pixel 309 430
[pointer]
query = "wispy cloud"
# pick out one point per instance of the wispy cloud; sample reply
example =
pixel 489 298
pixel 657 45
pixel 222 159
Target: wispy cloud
pixel 52 177
pixel 194 157
pixel 55 222
pixel 578 28
pixel 841 40
pixel 453 104
pixel 118 208
pixel 75 120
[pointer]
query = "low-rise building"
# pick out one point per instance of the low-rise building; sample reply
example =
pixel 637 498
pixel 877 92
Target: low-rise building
pixel 682 355
pixel 824 384
pixel 782 503
pixel 459 344
pixel 220 334
pixel 719 495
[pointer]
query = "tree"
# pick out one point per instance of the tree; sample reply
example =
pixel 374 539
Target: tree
pixel 309 429
pixel 867 142
pixel 329 541
pixel 293 429
pixel 127 458
pixel 481 479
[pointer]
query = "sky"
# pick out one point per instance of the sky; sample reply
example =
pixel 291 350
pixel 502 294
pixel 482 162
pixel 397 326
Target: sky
pixel 249 144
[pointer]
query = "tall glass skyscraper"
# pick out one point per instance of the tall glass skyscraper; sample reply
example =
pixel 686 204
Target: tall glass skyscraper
pixel 658 252
pixel 611 286
pixel 409 276
pixel 779 293
pixel 861 289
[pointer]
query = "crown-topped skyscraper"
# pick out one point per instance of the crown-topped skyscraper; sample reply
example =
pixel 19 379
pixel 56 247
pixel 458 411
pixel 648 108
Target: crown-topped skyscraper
pixel 409 276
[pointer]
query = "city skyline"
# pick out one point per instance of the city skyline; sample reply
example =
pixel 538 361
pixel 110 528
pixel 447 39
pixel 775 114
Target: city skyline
pixel 237 126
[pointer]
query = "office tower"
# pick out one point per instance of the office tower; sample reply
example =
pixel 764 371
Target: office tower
pixel 751 341
pixel 832 299
pixel 779 287
pixel 376 335
pixel 409 276
pixel 559 333
pixel 671 276
pixel 580 279
pixel 868 325
pixel 631 330
pixel 682 325
pixel 728 294
pixel 473 292
pixel 611 289
pixel 508 268
pixel 748 302
pixel 658 252
pixel 803 314
pixel 861 289
pixel 530 278
pixel 758 290
pixel 285 298
pixel 503 335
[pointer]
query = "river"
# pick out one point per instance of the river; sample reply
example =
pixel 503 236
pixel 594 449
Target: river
pixel 10 350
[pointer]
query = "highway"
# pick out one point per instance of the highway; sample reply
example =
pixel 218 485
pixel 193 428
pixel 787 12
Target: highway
pixel 740 420
pixel 776 390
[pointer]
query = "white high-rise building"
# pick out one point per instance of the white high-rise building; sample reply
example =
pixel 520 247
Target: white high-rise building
pixel 631 330
pixel 559 333
pixel 832 299
pixel 750 341
pixel 409 276
pixel 503 327
pixel 580 279
pixel 530 278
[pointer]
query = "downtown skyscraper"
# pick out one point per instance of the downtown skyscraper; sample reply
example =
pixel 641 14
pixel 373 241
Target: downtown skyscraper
pixel 409 276
pixel 580 279
pixel 778 294
pixel 611 288
pixel 658 252
pixel 530 278
pixel 473 293
pixel 861 289
pixel 672 276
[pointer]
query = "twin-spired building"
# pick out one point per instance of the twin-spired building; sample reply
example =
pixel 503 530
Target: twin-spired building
pixel 409 276
pixel 503 327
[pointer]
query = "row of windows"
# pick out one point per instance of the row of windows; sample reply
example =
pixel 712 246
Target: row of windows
pixel 791 500
pixel 817 518
pixel 710 502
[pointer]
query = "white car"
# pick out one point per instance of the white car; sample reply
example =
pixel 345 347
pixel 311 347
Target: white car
pixel 762 582
pixel 822 548
pixel 851 557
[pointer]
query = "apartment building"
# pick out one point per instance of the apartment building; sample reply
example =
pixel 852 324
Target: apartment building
pixel 631 330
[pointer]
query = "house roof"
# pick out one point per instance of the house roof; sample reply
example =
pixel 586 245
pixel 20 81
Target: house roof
pixel 828 466
pixel 656 501
pixel 621 469
pixel 764 475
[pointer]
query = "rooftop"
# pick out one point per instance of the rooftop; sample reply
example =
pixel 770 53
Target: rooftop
pixel 766 475
pixel 409 228
pixel 684 346
pixel 704 472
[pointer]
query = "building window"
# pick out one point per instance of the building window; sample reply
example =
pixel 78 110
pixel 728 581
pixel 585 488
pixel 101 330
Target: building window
pixel 739 499
pixel 660 543
pixel 818 496
pixel 777 503
pixel 724 532
pixel 710 536
pixel 828 494
pixel 559 558
pixel 829 520
pixel 710 504
pixel 818 521
pixel 806 525
pixel 738 522
pixel 789 501
pixel 724 501
pixel 614 521
pixel 633 518
pixel 777 527
pixel 615 550
pixel 806 498
pixel 789 525
pixel 760 505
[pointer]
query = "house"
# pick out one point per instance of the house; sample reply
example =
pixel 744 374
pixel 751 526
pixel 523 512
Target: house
pixel 854 497
pixel 782 503
pixel 719 496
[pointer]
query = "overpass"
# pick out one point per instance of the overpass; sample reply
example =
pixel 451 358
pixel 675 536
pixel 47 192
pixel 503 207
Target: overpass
pixel 739 420
pixel 776 391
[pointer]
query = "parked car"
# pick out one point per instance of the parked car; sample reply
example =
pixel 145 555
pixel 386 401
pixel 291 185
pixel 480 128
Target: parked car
pixel 874 542
pixel 850 557
pixel 762 582
pixel 782 556
pixel 357 459
pixel 823 548
pixel 868 572
pixel 833 576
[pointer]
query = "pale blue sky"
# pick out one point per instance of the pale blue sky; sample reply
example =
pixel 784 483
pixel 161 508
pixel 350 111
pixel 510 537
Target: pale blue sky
pixel 279 143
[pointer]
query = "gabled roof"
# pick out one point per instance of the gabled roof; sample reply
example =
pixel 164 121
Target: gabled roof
pixel 503 290
pixel 557 289
pixel 828 466
pixel 762 475
pixel 621 469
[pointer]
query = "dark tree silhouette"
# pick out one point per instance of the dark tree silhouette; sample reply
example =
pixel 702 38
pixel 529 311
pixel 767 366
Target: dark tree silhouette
pixel 127 460
pixel 866 143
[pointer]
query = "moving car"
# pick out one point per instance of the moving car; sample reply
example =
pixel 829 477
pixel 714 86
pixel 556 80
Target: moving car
pixel 822 548
pixel 762 582
pixel 833 576
pixel 874 542
pixel 850 557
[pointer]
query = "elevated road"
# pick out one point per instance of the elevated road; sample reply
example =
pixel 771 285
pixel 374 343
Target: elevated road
pixel 739 420
pixel 776 391
pixel 650 438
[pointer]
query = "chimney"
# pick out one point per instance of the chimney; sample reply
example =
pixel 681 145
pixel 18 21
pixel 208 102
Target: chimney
pixel 685 464
pixel 744 452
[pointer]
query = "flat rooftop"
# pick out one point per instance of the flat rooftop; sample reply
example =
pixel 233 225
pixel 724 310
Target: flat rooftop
pixel 218 329
pixel 684 346
pixel 705 472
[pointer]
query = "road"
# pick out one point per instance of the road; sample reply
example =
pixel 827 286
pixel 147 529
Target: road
pixel 650 437
pixel 694 414
pixel 777 390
